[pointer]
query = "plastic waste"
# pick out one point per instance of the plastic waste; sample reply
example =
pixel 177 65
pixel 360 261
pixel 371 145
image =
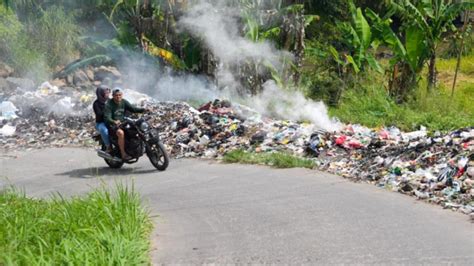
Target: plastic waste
pixel 415 134
pixel 8 110
pixel 7 130
pixel 46 89
pixel 63 107
pixel 341 139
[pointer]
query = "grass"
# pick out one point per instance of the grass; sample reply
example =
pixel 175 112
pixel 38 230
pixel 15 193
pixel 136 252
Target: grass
pixel 274 159
pixel 102 228
pixel 370 105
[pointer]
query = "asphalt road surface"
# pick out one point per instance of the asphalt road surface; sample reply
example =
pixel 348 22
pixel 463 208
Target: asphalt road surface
pixel 210 212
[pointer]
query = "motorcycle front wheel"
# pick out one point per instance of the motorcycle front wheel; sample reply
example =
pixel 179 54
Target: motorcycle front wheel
pixel 158 156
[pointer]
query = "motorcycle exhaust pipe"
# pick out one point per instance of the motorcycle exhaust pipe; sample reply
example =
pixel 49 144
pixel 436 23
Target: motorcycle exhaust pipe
pixel 107 156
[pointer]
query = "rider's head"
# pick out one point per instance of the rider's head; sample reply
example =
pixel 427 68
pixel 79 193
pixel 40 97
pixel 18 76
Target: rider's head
pixel 117 94
pixel 102 93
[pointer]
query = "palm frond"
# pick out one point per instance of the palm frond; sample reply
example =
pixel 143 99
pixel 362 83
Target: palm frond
pixel 70 68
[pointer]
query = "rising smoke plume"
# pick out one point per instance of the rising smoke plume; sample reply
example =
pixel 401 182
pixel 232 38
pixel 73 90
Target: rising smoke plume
pixel 217 25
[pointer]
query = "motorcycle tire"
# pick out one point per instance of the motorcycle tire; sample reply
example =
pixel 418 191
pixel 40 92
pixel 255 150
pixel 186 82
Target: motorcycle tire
pixel 110 163
pixel 158 156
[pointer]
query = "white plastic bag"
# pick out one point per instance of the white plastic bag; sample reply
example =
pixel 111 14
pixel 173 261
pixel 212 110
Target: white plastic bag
pixel 8 110
pixel 7 130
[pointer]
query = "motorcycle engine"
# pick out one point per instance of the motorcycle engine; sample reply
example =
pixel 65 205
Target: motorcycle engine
pixel 134 147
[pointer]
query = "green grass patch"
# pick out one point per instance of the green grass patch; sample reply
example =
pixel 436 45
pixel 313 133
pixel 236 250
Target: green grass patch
pixel 274 159
pixel 449 65
pixel 101 228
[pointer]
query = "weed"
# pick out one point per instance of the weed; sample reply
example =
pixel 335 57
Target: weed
pixel 102 228
pixel 274 159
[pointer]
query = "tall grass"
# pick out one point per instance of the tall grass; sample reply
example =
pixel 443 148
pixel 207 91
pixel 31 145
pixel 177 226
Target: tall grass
pixel 274 159
pixel 370 105
pixel 102 228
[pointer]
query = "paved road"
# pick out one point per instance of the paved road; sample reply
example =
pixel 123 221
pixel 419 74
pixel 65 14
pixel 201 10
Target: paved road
pixel 216 213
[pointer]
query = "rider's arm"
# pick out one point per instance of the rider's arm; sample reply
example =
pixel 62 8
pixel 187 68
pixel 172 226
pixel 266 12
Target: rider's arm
pixel 134 109
pixel 99 112
pixel 108 114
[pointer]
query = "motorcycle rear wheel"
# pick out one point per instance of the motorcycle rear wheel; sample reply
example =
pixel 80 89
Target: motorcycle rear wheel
pixel 110 163
pixel 158 156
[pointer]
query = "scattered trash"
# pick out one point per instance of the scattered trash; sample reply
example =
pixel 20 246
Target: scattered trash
pixel 7 110
pixel 7 130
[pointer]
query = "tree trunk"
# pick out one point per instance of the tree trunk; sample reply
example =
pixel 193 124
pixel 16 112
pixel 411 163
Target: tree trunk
pixel 402 82
pixel 299 47
pixel 432 72
pixel 458 63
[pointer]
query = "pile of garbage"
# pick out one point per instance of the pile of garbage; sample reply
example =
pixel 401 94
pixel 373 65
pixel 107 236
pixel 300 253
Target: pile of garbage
pixel 432 166
pixel 438 168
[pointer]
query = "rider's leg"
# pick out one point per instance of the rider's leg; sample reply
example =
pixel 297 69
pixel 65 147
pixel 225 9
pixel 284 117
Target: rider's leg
pixel 121 142
pixel 104 133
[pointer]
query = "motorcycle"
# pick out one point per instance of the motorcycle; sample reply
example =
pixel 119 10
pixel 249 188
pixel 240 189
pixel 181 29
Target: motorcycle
pixel 140 138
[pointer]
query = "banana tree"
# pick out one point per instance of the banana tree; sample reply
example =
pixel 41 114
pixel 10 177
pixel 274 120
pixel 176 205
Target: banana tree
pixel 360 41
pixel 408 58
pixel 428 20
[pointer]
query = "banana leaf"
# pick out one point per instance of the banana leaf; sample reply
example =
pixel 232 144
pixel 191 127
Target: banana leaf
pixel 166 55
pixel 351 60
pixel 363 30
pixel 373 63
pixel 94 60
pixel 416 47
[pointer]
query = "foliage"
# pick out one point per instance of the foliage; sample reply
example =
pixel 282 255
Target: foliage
pixel 10 29
pixel 16 46
pixel 274 159
pixel 166 55
pixel 58 43
pixel 102 228
pixel 321 77
pixel 371 105
pixel 358 37
pixel 330 13
pixel 424 23
pixel 408 56
pixel 450 47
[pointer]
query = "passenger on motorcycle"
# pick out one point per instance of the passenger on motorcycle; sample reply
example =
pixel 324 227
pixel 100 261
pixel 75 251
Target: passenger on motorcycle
pixel 99 105
pixel 114 115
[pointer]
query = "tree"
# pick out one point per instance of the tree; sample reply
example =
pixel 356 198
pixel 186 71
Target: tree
pixel 409 54
pixel 428 20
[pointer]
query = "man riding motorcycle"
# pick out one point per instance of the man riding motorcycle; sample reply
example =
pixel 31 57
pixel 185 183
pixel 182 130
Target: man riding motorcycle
pixel 114 114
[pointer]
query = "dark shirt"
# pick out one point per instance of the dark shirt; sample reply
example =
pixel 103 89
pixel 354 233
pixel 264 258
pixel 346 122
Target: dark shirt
pixel 99 108
pixel 115 111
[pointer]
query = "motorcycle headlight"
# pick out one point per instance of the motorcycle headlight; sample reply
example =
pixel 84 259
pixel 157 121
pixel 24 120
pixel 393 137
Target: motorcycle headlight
pixel 144 126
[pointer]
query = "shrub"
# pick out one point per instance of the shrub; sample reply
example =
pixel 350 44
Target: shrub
pixel 15 46
pixel 57 35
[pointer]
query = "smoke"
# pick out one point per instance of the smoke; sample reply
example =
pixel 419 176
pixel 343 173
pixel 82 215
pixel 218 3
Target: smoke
pixel 292 105
pixel 185 88
pixel 163 84
pixel 217 25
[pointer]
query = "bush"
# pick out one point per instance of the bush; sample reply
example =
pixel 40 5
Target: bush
pixel 319 77
pixel 102 228
pixel 371 106
pixel 15 46
pixel 10 29
pixel 56 34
